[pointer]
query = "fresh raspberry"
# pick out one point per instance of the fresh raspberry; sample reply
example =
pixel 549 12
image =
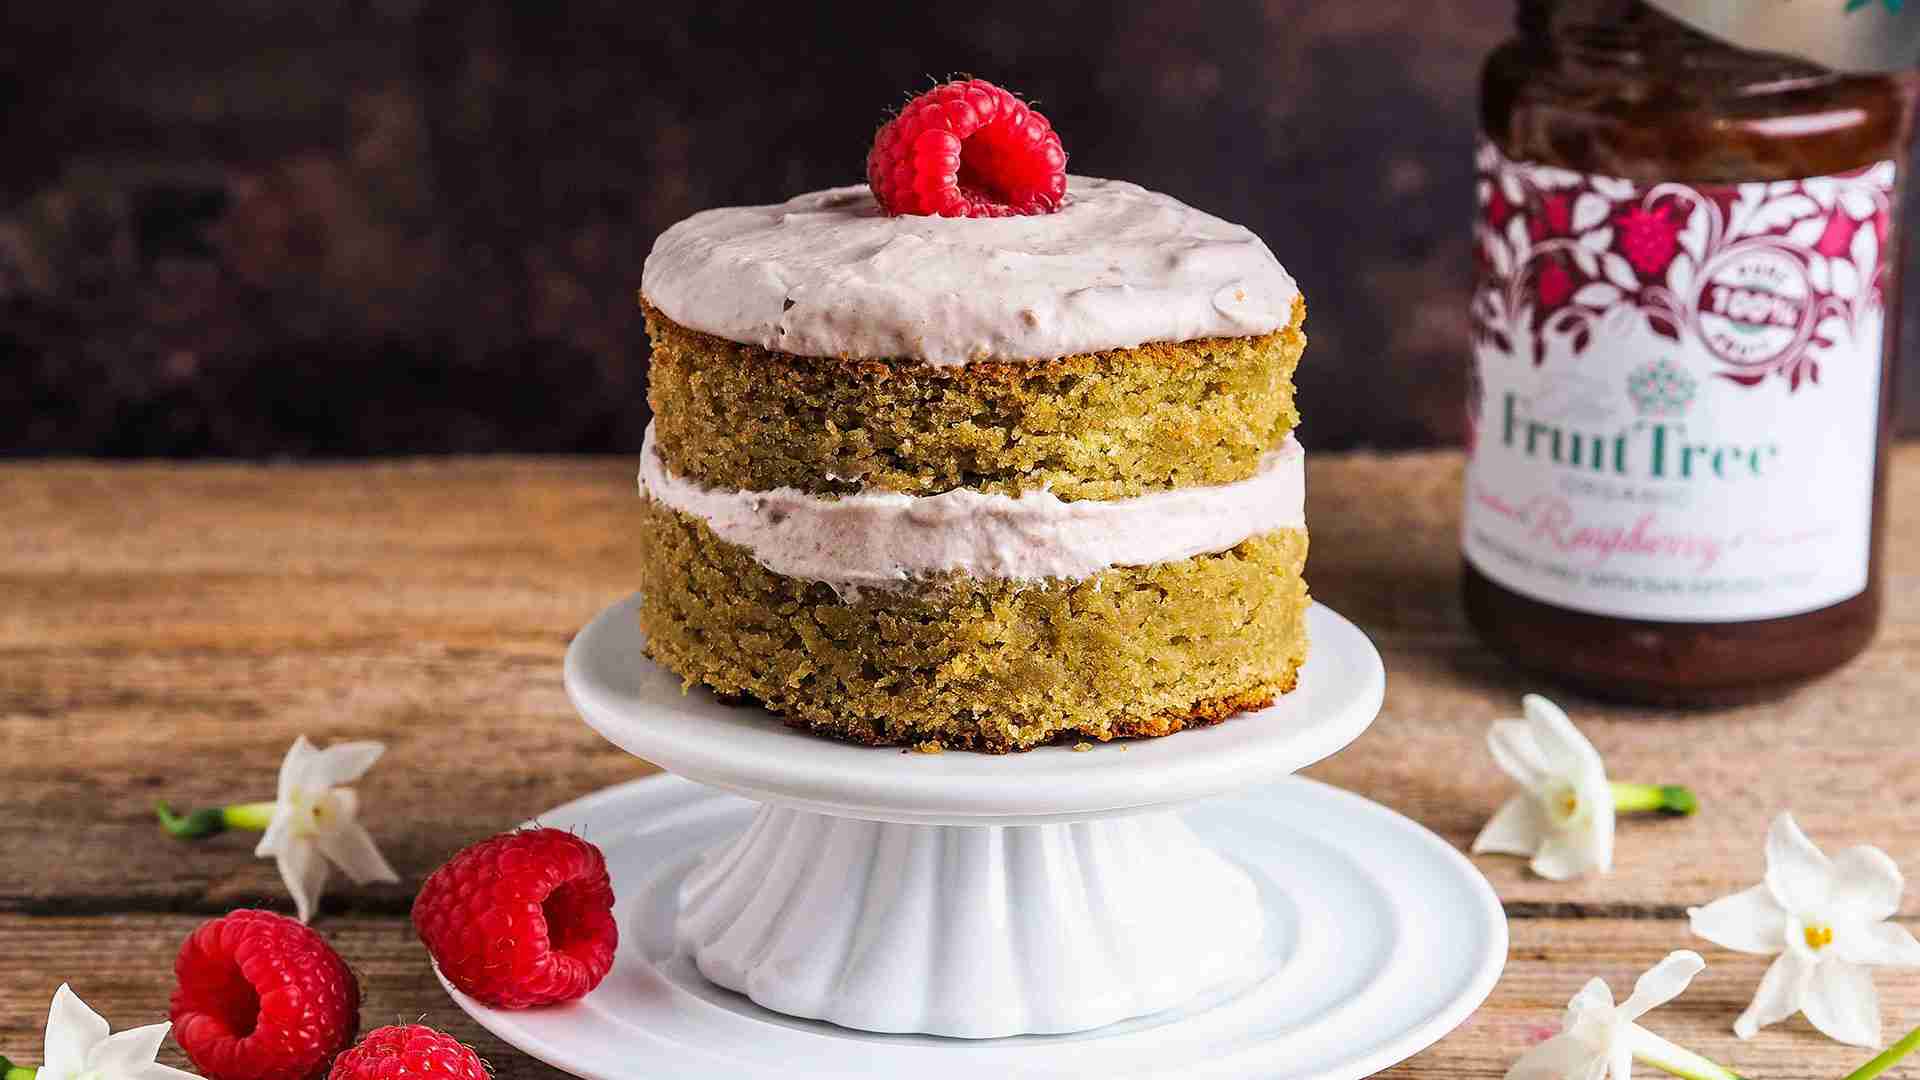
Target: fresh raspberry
pixel 1648 238
pixel 967 149
pixel 409 1052
pixel 523 919
pixel 262 997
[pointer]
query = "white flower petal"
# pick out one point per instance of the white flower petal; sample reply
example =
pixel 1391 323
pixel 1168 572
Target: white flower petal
pixel 1594 997
pixel 1563 856
pixel 343 763
pixel 294 768
pixel 279 828
pixel 1840 1000
pixel 351 849
pixel 1517 828
pixel 1518 754
pixel 1620 1060
pixel 1778 997
pixel 1866 884
pixel 1597 796
pixel 73 1030
pixel 1798 873
pixel 1750 921
pixel 1567 751
pixel 1662 983
pixel 125 1051
pixel 1562 1057
pixel 305 873
pixel 343 805
pixel 1878 945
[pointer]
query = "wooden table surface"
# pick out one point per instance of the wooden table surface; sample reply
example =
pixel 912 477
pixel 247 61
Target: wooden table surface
pixel 167 630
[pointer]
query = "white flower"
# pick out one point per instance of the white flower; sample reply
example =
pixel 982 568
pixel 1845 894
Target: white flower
pixel 79 1048
pixel 1598 1038
pixel 1826 919
pixel 1563 819
pixel 314 821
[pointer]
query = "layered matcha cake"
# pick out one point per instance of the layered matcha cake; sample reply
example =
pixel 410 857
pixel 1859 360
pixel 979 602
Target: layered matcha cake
pixel 960 478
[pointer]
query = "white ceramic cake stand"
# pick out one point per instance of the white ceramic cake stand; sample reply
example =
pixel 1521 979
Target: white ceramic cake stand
pixel 869 912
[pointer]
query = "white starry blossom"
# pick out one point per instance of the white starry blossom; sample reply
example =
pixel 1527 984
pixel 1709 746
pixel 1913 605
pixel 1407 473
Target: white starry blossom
pixel 79 1046
pixel 316 821
pixel 1562 818
pixel 1826 921
pixel 1600 1040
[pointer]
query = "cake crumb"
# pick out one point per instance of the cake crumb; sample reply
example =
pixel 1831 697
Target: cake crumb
pixel 1082 747
pixel 931 746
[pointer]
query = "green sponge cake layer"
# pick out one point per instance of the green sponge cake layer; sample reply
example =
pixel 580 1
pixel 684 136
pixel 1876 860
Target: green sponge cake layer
pixel 981 664
pixel 1091 426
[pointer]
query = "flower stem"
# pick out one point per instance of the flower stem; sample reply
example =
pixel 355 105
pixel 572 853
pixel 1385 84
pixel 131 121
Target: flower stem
pixel 10 1071
pixel 214 819
pixel 256 816
pixel 1666 798
pixel 1887 1057
pixel 1651 1049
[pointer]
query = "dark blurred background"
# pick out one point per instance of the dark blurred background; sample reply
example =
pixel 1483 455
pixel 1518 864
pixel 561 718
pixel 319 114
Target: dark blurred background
pixel 267 228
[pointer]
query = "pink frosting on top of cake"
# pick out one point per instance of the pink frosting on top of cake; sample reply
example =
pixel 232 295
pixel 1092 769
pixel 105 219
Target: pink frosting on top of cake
pixel 827 274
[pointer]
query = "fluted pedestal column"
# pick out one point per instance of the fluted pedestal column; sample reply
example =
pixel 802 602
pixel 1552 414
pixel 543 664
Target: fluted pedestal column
pixel 974 931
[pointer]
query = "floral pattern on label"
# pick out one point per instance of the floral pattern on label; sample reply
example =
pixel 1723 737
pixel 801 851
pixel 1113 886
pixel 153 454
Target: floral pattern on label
pixel 1675 389
pixel 1769 275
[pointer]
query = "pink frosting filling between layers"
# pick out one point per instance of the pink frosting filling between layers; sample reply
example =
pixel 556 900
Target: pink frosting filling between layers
pixel 881 538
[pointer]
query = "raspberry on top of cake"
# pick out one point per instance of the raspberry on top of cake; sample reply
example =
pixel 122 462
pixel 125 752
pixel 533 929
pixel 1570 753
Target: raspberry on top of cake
pixel 979 455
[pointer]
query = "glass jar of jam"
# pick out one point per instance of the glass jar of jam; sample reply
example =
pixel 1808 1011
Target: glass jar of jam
pixel 1684 330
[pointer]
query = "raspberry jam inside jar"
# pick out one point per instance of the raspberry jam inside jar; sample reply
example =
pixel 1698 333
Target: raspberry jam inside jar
pixel 1684 333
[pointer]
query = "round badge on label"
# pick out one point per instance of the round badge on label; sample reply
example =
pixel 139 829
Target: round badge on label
pixel 1755 306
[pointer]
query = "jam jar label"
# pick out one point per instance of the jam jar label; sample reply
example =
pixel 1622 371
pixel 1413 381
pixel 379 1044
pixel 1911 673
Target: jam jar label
pixel 1673 412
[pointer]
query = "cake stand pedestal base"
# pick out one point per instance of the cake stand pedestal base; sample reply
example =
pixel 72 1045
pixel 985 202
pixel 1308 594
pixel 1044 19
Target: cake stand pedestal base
pixel 968 931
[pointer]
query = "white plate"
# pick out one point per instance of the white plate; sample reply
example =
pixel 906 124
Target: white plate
pixel 638 705
pixel 1381 938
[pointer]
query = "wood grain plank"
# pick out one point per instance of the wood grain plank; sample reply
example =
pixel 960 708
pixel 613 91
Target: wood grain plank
pixel 164 632
pixel 130 981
